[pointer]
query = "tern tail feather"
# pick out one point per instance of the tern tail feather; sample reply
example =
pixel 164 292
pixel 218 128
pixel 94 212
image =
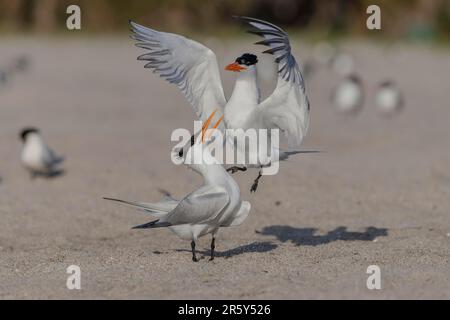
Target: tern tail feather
pixel 284 155
pixel 153 225
pixel 157 210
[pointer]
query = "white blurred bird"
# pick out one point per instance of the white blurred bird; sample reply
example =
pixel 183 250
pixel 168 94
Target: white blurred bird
pixel 216 204
pixel 389 98
pixel 37 157
pixel 348 96
pixel 21 64
pixel 194 69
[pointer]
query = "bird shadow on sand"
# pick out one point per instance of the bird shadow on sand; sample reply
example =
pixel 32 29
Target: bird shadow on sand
pixel 254 247
pixel 308 237
pixel 52 175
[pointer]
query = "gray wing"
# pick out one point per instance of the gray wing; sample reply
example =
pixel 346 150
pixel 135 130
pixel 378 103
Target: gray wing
pixel 189 65
pixel 278 42
pixel 201 206
pixel 288 107
pixel 50 158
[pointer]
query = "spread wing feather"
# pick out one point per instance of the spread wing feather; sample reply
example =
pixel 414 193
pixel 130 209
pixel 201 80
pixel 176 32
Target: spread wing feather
pixel 288 107
pixel 189 65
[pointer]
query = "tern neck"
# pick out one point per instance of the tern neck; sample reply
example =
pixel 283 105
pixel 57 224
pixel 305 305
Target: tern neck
pixel 246 90
pixel 34 139
pixel 214 174
pixel 209 168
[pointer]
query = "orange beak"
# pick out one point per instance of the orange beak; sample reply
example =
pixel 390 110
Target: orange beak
pixel 235 67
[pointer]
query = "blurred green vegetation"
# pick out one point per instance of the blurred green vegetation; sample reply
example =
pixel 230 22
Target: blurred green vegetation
pixel 416 19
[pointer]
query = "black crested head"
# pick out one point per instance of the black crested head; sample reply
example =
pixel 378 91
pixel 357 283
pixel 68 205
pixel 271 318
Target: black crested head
pixel 25 132
pixel 387 83
pixel 355 78
pixel 247 59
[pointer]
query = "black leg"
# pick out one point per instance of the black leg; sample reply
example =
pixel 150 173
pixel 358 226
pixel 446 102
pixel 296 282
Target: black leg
pixel 233 170
pixel 194 257
pixel 255 184
pixel 213 247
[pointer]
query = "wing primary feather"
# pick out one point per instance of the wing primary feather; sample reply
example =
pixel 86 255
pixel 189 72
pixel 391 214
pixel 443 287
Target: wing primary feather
pixel 153 225
pixel 171 74
pixel 264 33
pixel 268 42
pixel 274 50
pixel 250 20
pixel 160 53
pixel 280 58
pixel 173 57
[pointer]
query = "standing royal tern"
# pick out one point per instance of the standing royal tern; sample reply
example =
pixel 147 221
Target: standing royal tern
pixel 194 69
pixel 216 204
pixel 36 156
pixel 388 98
pixel 348 96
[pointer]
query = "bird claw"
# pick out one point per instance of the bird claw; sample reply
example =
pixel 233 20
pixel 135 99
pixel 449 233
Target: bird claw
pixel 233 170
pixel 254 187
pixel 255 184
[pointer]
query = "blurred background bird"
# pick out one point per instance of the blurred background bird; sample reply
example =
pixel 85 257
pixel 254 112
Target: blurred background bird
pixel 388 98
pixel 348 95
pixel 37 157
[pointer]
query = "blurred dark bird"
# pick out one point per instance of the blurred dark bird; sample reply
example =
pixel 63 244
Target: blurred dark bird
pixel 37 157
pixel 348 96
pixel 3 77
pixel 21 64
pixel 388 98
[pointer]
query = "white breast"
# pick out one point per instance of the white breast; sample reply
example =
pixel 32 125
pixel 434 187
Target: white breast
pixel 388 100
pixel 348 97
pixel 33 155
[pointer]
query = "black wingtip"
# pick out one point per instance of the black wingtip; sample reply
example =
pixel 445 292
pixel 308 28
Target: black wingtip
pixel 305 152
pixel 113 199
pixel 152 225
pixel 243 18
pixel 164 192
pixel 146 226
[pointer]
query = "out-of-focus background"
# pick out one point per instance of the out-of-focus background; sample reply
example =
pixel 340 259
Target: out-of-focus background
pixel 378 194
pixel 415 19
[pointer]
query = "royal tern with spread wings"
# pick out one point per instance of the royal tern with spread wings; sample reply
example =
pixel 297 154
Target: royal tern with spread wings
pixel 194 69
pixel 216 204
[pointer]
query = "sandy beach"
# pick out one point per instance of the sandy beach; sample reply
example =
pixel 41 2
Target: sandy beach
pixel 377 194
